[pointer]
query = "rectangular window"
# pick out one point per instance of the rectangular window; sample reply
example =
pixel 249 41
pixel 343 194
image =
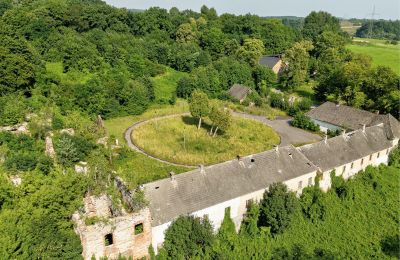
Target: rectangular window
pixel 310 181
pixel 249 203
pixel 352 165
pixel 370 157
pixel 108 239
pixel 344 169
pixel 378 155
pixel 138 228
pixel 362 161
pixel 387 151
pixel 300 186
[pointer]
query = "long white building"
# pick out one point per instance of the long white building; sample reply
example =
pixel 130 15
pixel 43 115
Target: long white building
pixel 208 191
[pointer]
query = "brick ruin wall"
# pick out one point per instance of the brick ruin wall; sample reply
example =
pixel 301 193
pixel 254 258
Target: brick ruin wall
pixel 125 240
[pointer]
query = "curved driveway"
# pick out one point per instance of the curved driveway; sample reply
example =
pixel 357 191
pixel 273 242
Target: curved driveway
pixel 287 133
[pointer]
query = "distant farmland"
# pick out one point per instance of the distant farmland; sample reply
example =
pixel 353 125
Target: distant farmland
pixel 381 53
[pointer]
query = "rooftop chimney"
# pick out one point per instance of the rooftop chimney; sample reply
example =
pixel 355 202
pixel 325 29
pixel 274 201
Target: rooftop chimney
pixel 277 148
pixel 240 160
pixel 344 133
pixel 291 155
pixel 202 169
pixel 363 128
pixel 326 139
pixel 172 176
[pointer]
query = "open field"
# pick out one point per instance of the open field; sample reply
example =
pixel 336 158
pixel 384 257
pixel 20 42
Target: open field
pixel 381 53
pixel 165 84
pixel 178 140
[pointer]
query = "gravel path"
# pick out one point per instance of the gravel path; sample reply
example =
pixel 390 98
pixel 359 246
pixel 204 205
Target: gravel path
pixel 287 133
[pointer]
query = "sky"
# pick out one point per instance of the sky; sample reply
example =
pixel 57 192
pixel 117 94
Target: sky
pixel 385 9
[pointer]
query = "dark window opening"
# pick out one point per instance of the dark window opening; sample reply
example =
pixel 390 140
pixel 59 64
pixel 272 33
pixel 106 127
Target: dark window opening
pixel 249 203
pixel 352 165
pixel 108 239
pixel 138 229
pixel 378 155
pixel 362 161
pixel 370 157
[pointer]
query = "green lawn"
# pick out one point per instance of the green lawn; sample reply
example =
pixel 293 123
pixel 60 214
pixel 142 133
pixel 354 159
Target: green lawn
pixel 136 168
pixel 165 84
pixel 178 140
pixel 381 53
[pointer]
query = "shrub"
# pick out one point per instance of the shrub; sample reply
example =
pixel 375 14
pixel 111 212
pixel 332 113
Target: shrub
pixel 57 122
pixel 278 101
pixel 304 104
pixel 21 161
pixel 71 149
pixel 304 122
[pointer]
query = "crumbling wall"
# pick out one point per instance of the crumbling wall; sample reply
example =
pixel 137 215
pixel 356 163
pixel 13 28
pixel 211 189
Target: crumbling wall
pixel 127 234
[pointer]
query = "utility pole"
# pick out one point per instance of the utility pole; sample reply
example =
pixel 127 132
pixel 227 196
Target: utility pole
pixel 371 22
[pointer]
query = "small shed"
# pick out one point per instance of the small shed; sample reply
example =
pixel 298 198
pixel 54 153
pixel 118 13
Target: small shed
pixel 273 62
pixel 239 92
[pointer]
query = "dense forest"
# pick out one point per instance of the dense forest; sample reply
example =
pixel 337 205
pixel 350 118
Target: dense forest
pixel 63 63
pixel 380 29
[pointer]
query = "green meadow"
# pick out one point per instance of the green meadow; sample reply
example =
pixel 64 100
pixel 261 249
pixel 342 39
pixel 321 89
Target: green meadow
pixel 381 52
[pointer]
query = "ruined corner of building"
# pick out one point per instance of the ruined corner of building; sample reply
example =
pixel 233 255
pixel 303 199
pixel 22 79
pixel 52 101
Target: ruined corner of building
pixel 111 231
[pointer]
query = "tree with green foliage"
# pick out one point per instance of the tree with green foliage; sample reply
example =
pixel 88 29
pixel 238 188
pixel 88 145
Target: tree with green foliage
pixel 12 109
pixel 199 105
pixel 186 236
pixel 317 22
pixel 297 59
pixel 249 225
pixel 221 118
pixel 276 36
pixel 186 34
pixel 277 208
pixel 251 51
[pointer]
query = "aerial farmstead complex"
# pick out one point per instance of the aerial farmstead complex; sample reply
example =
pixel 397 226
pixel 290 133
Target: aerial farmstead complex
pixel 208 191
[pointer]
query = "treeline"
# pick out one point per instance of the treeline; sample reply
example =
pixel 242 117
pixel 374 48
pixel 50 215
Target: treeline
pixel 354 219
pixel 92 57
pixel 380 29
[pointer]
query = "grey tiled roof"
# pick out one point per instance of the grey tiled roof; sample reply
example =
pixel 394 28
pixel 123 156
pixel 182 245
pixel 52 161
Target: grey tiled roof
pixel 239 91
pixel 341 115
pixel 341 149
pixel 269 61
pixel 392 125
pixel 196 190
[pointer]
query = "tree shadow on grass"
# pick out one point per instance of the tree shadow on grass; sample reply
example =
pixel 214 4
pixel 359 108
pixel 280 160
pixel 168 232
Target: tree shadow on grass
pixel 189 120
pixel 391 246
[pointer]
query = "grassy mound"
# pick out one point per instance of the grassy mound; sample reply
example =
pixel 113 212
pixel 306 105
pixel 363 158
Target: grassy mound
pixel 178 140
